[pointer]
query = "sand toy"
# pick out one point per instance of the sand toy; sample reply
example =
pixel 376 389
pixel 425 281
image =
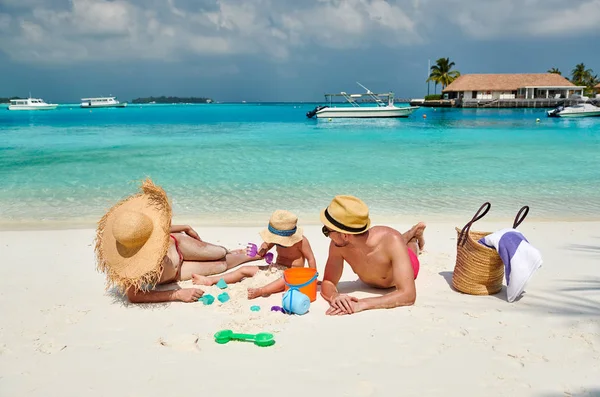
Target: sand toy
pixel 207 299
pixel 224 297
pixel 262 339
pixel 252 251
pixel 221 284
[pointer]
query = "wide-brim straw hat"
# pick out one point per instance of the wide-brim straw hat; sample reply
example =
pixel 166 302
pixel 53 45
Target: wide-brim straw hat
pixel 283 229
pixel 346 214
pixel 132 239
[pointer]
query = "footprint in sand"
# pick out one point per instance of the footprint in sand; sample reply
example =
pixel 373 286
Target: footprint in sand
pixel 48 346
pixel 183 342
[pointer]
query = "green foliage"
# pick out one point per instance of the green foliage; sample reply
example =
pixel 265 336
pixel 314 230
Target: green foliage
pixel 7 100
pixel 171 99
pixel 442 73
pixel 433 97
pixel 584 77
pixel 555 71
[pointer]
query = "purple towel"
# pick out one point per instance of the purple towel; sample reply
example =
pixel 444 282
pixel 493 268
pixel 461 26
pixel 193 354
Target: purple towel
pixel 520 258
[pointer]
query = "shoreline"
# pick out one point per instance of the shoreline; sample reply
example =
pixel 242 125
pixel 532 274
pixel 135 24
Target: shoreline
pixel 260 220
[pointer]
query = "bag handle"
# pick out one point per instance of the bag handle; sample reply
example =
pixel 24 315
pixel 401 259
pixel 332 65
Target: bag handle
pixel 462 238
pixel 524 210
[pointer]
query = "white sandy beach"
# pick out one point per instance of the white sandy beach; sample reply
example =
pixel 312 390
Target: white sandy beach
pixel 63 335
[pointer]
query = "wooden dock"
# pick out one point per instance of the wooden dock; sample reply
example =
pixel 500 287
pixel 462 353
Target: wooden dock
pixel 515 103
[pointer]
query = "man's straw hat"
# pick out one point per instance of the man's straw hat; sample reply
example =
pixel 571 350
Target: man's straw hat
pixel 133 237
pixel 346 214
pixel 282 229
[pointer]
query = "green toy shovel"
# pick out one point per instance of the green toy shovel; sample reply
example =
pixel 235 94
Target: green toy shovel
pixel 262 339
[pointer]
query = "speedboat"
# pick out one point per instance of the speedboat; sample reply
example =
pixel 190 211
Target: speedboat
pixel 582 109
pixel 382 109
pixel 31 104
pixel 102 102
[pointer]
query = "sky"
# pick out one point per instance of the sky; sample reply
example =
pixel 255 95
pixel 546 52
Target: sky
pixel 280 50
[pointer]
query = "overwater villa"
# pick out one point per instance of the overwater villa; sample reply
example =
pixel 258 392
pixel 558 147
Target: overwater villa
pixel 597 90
pixel 512 89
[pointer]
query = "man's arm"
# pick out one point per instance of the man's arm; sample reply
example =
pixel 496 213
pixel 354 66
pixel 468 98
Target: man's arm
pixel 404 279
pixel 333 272
pixel 183 295
pixel 338 303
pixel 308 254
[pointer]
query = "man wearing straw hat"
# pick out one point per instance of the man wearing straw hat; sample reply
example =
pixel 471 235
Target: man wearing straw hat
pixel 381 256
pixel 138 248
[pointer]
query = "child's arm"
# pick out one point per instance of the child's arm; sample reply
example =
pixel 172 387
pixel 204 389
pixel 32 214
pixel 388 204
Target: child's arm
pixel 264 248
pixel 308 253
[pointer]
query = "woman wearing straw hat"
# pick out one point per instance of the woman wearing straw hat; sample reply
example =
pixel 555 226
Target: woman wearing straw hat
pixel 381 256
pixel 138 248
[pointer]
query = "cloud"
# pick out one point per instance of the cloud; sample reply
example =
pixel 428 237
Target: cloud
pixel 515 18
pixel 71 31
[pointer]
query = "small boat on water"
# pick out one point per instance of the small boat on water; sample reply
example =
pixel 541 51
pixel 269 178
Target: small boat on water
pixel 581 109
pixel 383 109
pixel 102 102
pixel 31 104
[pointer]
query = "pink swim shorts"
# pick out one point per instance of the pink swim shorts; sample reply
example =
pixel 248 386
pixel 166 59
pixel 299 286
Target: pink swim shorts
pixel 414 261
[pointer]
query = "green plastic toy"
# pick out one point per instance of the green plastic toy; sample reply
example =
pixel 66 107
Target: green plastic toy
pixel 262 339
pixel 224 297
pixel 207 299
pixel 221 284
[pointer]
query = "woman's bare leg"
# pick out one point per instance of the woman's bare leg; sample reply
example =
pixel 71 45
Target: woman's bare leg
pixel 230 278
pixel 236 258
pixel 198 251
pixel 207 268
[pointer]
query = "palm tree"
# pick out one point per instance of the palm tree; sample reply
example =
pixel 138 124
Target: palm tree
pixel 555 71
pixel 592 81
pixel 442 73
pixel 580 75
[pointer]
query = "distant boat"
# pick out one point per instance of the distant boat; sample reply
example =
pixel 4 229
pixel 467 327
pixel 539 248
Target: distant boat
pixel 384 109
pixel 582 109
pixel 102 102
pixel 31 104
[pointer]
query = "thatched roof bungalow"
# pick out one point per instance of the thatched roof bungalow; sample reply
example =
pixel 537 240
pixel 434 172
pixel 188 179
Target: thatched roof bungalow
pixel 511 86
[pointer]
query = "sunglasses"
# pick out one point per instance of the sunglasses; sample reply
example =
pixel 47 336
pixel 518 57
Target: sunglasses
pixel 326 231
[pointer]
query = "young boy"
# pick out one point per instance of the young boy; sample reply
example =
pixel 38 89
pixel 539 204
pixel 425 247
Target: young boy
pixel 293 249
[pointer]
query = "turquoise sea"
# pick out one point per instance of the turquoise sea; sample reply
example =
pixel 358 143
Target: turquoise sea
pixel 236 163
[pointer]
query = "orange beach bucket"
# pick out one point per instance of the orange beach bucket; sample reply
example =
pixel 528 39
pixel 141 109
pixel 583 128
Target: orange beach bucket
pixel 304 279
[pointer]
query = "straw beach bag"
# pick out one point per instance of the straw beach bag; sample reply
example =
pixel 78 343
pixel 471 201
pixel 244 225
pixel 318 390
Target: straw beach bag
pixel 479 270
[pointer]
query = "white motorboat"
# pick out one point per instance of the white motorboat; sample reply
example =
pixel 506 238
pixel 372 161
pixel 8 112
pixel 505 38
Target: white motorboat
pixel 581 109
pixel 382 109
pixel 31 104
pixel 102 102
